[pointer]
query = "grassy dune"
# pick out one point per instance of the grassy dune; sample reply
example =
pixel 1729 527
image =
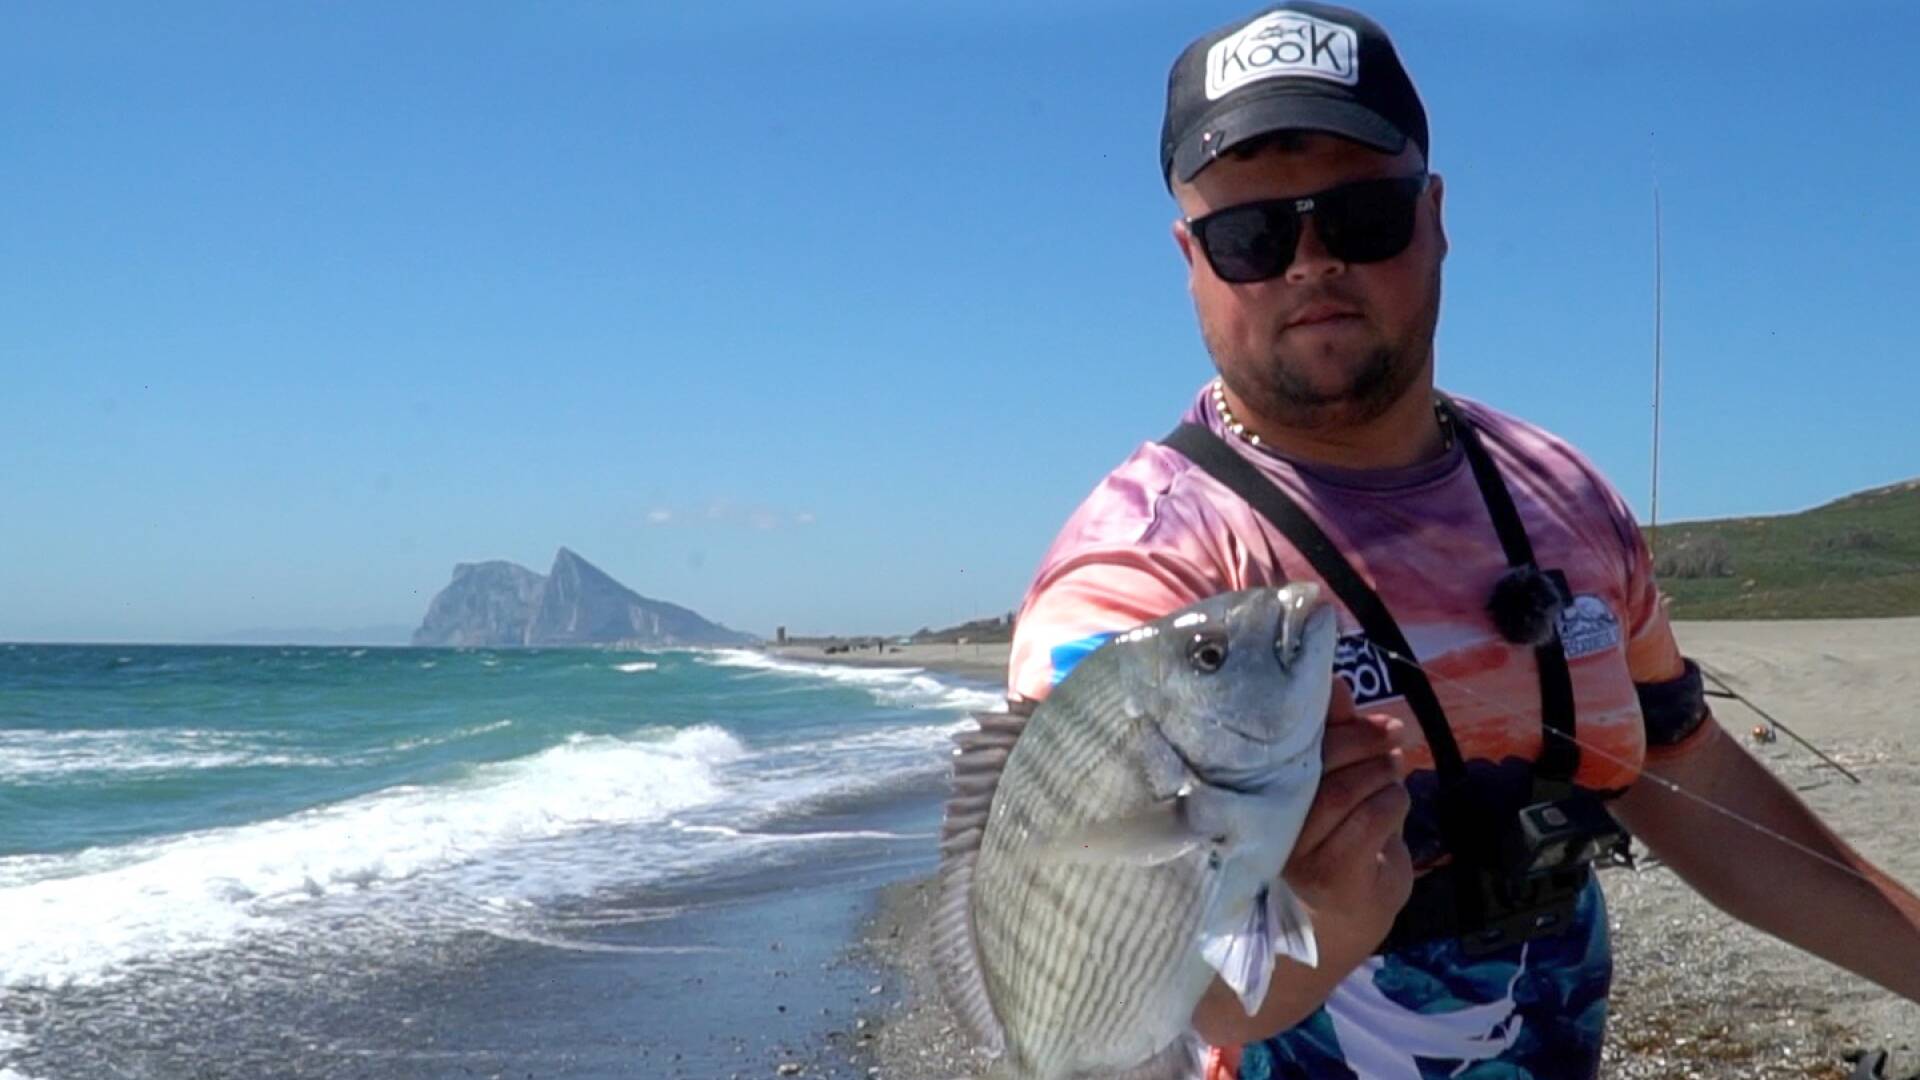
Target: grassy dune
pixel 1856 557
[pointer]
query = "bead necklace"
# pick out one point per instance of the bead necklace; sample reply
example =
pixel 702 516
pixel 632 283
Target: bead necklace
pixel 1252 439
pixel 1226 414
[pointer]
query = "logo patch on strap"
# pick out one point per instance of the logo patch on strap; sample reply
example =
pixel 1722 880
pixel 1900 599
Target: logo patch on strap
pixel 1588 626
pixel 1364 669
pixel 1283 43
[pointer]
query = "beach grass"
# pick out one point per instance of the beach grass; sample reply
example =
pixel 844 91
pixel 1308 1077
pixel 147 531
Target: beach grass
pixel 1856 557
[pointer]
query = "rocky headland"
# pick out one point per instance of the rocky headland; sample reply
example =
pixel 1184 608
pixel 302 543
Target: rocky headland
pixel 502 604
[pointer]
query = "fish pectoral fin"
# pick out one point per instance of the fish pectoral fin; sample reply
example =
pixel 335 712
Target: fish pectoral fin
pixel 1159 835
pixel 1292 926
pixel 1276 924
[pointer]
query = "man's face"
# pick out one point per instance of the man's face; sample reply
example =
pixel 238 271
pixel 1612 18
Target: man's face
pixel 1328 343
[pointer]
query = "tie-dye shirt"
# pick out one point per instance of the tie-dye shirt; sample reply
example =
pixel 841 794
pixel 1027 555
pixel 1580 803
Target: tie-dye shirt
pixel 1159 533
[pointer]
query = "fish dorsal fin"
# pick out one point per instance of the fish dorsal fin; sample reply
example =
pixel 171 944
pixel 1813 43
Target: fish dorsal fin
pixel 978 759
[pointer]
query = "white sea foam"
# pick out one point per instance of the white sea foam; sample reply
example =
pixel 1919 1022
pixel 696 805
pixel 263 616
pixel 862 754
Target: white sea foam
pixel 9 1042
pixel 85 914
pixel 452 736
pixel 589 946
pixel 911 687
pixel 592 812
pixel 637 666
pixel 32 756
pixel 732 833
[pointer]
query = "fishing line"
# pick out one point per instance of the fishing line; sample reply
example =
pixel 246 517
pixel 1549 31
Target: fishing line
pixel 1645 773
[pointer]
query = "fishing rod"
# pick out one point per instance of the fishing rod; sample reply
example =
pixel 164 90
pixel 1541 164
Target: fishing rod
pixel 1653 506
pixel 1645 773
pixel 1653 502
pixel 1725 691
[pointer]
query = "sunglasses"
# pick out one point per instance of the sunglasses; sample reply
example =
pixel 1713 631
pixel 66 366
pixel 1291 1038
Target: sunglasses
pixel 1362 222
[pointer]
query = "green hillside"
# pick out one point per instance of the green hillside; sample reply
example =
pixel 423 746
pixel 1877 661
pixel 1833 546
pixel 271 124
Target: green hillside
pixel 1855 557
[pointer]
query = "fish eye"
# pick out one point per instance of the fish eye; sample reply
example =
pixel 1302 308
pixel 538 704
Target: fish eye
pixel 1207 652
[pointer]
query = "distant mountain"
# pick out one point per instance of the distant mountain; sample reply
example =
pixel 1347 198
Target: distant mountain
pixel 1854 557
pixel 486 604
pixel 503 604
pixel 309 635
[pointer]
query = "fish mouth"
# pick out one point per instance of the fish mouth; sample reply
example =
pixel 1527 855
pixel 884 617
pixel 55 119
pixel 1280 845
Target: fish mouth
pixel 1299 602
pixel 1301 606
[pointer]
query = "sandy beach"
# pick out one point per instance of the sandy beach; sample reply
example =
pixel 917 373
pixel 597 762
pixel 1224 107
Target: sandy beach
pixel 1696 994
pixel 975 660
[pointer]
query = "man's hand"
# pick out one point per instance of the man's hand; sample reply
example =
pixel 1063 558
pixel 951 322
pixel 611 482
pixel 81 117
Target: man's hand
pixel 1350 867
pixel 1350 864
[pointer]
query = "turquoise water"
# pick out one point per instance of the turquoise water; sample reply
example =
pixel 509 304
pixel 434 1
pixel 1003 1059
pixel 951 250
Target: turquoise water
pixel 183 808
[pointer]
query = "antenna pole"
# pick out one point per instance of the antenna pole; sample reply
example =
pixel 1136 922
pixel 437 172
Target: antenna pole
pixel 1653 515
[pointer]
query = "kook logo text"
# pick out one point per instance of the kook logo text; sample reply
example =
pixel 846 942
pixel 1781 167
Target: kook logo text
pixel 1283 43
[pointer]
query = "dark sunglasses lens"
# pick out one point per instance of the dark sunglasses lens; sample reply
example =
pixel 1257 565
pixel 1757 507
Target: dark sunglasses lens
pixel 1249 243
pixel 1368 222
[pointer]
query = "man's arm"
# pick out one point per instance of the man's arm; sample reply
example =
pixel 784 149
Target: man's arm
pixel 1349 866
pixel 1863 921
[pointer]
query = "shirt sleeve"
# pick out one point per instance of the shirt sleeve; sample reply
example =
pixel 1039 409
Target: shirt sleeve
pixel 1077 605
pixel 1672 705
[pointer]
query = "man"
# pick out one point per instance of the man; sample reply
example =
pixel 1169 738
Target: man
pixel 1517 668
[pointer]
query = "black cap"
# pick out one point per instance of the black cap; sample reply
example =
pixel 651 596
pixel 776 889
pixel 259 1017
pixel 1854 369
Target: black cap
pixel 1299 66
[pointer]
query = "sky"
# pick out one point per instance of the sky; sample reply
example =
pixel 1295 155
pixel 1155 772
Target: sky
pixel 826 315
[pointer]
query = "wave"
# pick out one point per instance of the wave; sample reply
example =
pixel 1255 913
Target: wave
pixel 905 686
pixel 81 917
pixel 593 813
pixel 586 946
pixel 637 666
pixel 38 757
pixel 451 736
pixel 732 833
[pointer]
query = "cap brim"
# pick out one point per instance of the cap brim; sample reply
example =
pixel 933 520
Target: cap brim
pixel 1283 112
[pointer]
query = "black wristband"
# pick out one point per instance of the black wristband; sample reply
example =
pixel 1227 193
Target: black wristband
pixel 1674 709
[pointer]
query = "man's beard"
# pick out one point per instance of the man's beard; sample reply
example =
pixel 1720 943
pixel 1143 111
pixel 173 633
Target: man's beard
pixel 1278 387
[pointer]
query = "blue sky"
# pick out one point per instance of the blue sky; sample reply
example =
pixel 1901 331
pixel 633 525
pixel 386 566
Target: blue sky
pixel 826 315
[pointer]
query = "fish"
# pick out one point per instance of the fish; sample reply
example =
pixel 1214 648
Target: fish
pixel 1103 858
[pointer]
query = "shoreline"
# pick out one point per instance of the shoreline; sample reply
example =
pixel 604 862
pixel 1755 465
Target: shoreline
pixel 976 661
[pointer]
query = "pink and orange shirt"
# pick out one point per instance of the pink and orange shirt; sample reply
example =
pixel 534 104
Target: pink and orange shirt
pixel 1159 533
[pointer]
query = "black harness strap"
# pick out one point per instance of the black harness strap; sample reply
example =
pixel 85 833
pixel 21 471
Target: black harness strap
pixel 1559 756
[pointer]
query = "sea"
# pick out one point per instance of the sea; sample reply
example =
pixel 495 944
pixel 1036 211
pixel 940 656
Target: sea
pixel 391 862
